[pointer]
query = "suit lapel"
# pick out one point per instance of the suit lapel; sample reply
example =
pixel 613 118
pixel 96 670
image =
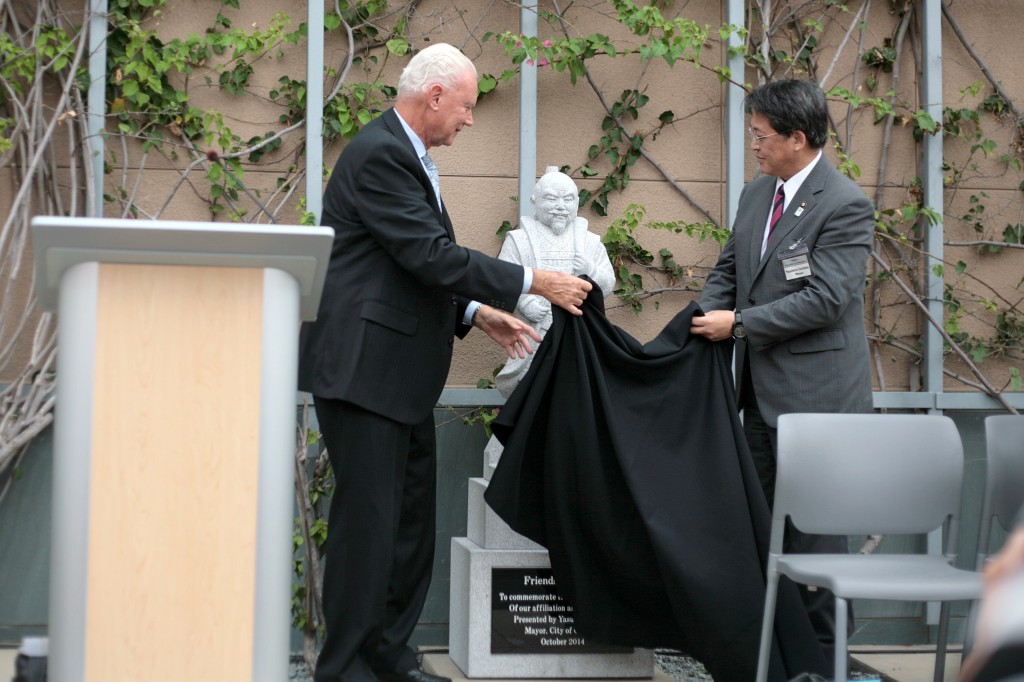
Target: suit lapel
pixel 762 197
pixel 394 126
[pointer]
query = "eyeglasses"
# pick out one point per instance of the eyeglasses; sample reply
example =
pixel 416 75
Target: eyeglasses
pixel 760 138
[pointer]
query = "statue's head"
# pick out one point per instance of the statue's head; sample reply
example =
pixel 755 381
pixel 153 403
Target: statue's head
pixel 555 200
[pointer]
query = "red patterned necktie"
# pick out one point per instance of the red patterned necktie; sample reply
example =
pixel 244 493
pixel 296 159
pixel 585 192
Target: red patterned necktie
pixel 780 201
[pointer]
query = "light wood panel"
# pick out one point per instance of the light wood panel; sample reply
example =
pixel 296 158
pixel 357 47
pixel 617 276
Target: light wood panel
pixel 172 525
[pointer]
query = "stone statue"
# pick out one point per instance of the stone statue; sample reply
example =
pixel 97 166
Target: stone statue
pixel 555 238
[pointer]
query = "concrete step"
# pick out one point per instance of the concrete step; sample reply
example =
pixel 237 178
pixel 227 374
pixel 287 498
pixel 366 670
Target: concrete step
pixel 904 663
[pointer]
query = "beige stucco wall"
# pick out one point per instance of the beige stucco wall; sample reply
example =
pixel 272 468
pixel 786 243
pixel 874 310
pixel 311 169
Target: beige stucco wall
pixel 479 173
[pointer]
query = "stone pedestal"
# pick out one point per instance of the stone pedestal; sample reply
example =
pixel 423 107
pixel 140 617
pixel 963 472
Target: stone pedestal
pixel 514 632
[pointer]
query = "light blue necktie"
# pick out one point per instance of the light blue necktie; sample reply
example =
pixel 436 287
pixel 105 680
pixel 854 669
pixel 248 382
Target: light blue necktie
pixel 435 179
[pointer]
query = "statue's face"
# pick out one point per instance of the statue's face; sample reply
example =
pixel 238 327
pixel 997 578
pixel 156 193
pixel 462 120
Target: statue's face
pixel 556 201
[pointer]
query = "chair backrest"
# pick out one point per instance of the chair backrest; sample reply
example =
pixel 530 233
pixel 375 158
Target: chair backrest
pixel 868 473
pixel 1004 477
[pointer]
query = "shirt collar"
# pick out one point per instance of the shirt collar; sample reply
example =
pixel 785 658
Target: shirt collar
pixel 793 184
pixel 417 143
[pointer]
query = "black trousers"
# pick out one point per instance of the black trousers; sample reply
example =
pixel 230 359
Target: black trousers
pixel 820 603
pixel 380 540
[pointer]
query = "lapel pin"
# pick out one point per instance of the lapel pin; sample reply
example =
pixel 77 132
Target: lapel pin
pixel 800 208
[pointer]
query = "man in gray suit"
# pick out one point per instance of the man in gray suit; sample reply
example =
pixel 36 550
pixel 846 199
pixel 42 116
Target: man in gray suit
pixel 789 288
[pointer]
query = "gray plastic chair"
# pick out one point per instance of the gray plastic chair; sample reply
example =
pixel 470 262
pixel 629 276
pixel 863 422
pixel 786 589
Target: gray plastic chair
pixel 1004 477
pixel 852 474
pixel 1004 488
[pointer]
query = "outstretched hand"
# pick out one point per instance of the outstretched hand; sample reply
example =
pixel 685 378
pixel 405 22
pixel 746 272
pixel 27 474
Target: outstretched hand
pixel 509 332
pixel 564 290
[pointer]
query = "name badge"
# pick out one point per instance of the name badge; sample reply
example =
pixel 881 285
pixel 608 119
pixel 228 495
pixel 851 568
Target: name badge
pixel 796 261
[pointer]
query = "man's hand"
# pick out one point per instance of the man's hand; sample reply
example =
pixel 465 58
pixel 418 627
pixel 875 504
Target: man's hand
pixel 1010 559
pixel 564 290
pixel 715 325
pixel 509 332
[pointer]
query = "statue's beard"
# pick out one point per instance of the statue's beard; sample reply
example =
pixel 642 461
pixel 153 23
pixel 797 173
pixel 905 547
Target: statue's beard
pixel 558 224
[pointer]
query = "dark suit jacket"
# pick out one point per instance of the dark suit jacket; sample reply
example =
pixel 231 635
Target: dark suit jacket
pixel 397 283
pixel 805 337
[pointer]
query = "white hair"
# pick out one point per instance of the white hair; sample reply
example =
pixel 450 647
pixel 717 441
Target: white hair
pixel 440 63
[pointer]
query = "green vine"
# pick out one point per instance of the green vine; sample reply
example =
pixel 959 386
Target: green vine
pixel 792 51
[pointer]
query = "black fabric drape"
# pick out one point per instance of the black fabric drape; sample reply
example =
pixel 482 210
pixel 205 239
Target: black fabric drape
pixel 627 461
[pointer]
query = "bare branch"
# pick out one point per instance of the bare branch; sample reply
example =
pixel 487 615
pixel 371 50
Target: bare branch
pixel 846 38
pixel 986 386
pixel 986 242
pixel 953 24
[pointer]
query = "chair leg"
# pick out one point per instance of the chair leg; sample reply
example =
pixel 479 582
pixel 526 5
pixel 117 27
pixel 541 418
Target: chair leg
pixel 767 622
pixel 972 622
pixel 840 643
pixel 940 643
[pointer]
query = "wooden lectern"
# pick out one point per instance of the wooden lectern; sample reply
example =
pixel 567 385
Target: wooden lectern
pixel 174 444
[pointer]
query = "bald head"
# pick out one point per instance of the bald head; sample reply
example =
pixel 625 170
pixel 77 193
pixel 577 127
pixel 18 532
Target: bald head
pixel 556 201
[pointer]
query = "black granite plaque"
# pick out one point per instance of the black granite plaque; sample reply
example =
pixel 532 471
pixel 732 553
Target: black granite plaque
pixel 528 616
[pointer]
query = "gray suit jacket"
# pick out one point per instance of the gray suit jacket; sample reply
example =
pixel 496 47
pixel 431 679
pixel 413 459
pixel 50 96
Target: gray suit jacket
pixel 806 346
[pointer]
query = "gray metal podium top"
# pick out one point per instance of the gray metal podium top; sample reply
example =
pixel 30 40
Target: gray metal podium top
pixel 60 242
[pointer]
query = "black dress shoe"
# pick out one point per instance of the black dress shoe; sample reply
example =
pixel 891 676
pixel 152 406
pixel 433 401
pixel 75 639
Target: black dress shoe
pixel 412 675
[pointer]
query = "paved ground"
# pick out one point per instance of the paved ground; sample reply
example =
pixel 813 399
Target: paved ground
pixel 893 664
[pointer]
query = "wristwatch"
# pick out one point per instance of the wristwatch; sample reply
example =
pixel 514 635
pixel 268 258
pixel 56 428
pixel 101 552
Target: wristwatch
pixel 738 332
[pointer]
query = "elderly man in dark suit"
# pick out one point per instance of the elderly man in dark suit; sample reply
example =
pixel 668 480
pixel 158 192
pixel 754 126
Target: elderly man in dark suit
pixel 398 291
pixel 789 287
